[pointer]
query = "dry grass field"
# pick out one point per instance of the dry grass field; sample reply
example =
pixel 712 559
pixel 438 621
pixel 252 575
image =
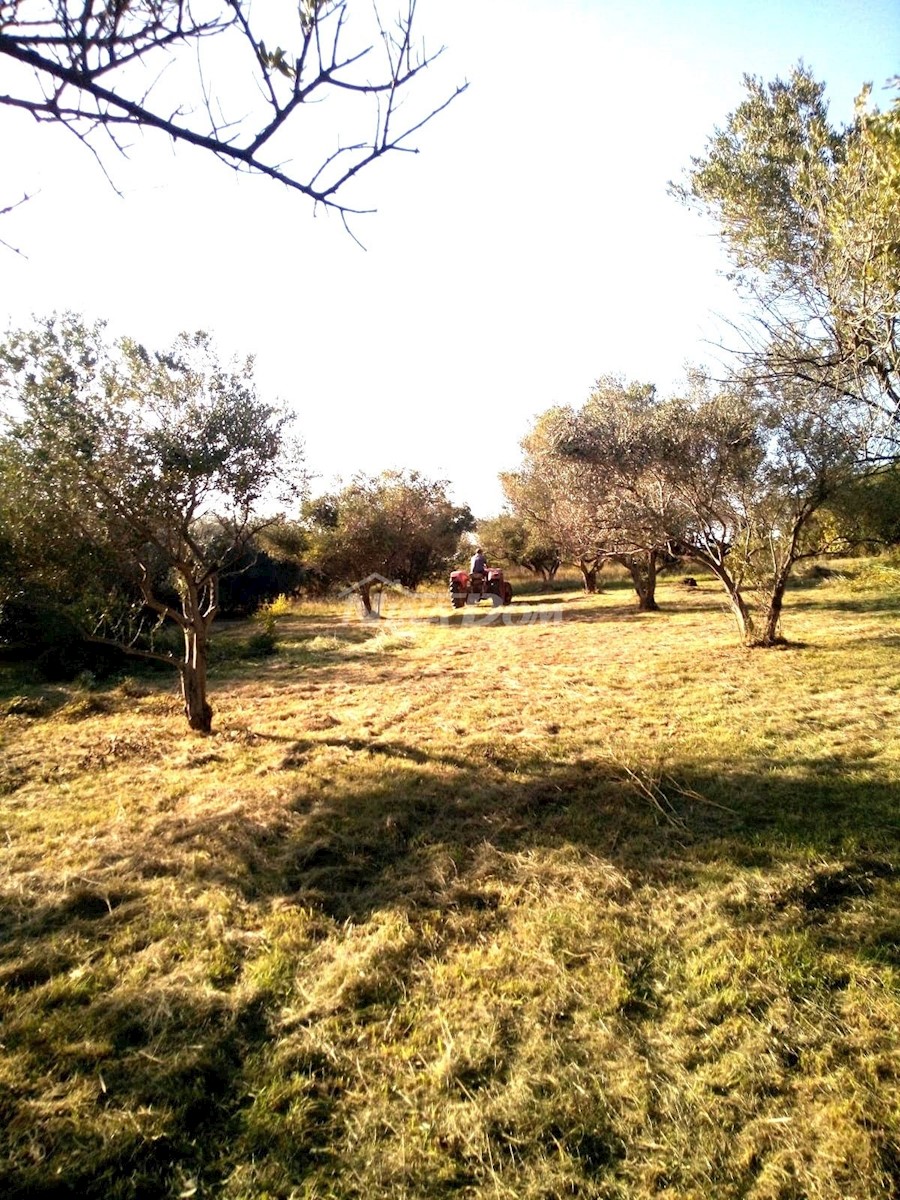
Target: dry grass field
pixel 560 901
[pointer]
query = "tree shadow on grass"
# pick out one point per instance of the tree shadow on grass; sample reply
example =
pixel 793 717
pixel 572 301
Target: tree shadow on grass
pixel 863 605
pixel 369 840
pixel 24 693
pixel 166 1064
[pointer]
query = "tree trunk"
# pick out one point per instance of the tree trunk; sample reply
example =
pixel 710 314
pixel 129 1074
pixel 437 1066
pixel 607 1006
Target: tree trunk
pixel 553 568
pixel 197 708
pixel 643 576
pixel 736 602
pixel 772 629
pixel 742 616
pixel 366 596
pixel 588 568
pixel 771 635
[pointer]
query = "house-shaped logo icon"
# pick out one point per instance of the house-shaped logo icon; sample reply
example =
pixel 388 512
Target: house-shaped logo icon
pixel 373 582
pixel 372 589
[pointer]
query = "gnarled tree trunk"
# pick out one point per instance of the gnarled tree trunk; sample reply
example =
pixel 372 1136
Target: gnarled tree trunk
pixel 199 603
pixel 736 601
pixel 771 634
pixel 782 567
pixel 741 614
pixel 197 708
pixel 643 575
pixel 589 568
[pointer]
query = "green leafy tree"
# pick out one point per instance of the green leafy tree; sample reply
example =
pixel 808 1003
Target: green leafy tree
pixel 510 540
pixel 398 524
pixel 570 496
pixel 810 216
pixel 287 540
pixel 556 498
pixel 48 578
pixel 164 463
pixel 865 514
pixel 728 477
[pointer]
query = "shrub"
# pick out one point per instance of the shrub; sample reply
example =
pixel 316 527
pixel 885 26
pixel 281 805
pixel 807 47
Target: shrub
pixel 257 579
pixel 261 644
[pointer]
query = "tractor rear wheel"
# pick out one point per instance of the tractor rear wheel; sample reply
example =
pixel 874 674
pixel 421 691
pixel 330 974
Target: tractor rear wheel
pixel 458 601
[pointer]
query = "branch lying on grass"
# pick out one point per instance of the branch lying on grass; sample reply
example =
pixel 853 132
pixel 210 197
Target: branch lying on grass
pixel 690 794
pixel 649 788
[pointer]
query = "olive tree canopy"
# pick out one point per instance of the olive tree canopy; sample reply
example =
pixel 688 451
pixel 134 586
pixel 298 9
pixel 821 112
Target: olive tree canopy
pixel 809 213
pixel 170 462
pixel 399 525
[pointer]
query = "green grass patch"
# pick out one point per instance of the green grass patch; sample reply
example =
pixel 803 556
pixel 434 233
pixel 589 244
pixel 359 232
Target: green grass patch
pixel 604 906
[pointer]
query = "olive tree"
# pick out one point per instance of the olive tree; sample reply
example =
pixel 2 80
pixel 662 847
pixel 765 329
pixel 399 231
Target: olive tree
pixel 167 462
pixel 866 514
pixel 49 580
pixel 399 525
pixel 511 539
pixel 809 213
pixel 730 478
pixel 556 497
pixel 571 496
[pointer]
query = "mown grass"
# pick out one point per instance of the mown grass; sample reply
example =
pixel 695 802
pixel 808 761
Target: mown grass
pixel 604 906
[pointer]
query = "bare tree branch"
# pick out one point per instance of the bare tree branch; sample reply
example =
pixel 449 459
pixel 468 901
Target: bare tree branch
pixel 85 67
pixel 11 208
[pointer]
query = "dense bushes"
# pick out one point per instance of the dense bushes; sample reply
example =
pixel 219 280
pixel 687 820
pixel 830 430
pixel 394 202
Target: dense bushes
pixel 256 579
pixel 39 624
pixel 35 627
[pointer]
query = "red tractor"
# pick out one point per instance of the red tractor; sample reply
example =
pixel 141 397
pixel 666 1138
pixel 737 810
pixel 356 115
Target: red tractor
pixel 469 588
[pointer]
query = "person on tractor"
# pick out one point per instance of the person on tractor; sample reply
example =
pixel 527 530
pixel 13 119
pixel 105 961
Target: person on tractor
pixel 479 564
pixel 478 572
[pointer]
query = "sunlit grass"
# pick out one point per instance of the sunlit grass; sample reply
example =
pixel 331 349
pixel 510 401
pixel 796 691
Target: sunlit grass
pixel 550 901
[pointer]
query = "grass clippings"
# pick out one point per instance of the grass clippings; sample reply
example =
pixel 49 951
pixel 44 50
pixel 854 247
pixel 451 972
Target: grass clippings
pixel 602 906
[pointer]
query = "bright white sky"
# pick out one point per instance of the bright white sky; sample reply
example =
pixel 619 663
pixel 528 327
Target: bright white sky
pixel 529 248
